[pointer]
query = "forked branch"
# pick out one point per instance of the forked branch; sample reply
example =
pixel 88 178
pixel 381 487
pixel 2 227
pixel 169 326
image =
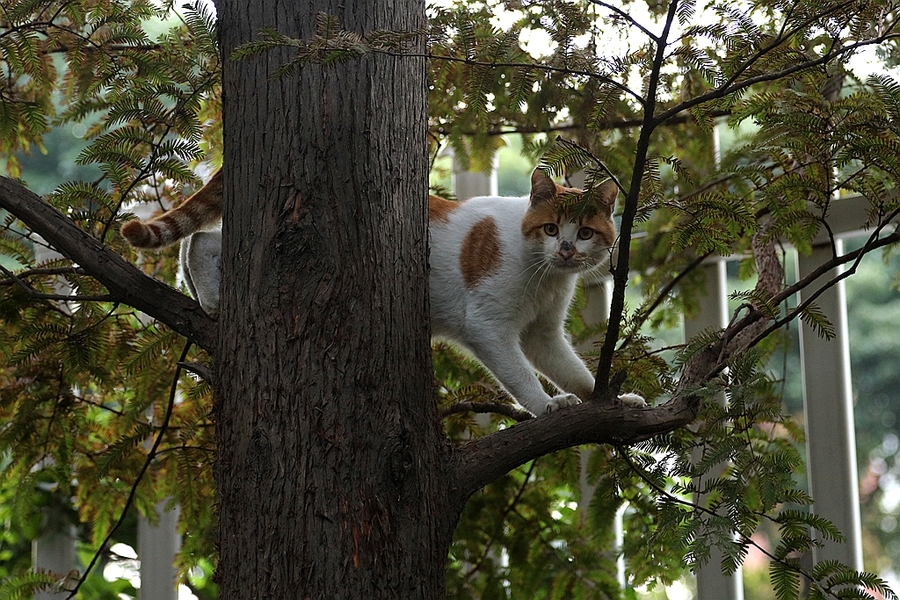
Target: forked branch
pixel 483 460
pixel 126 284
pixel 479 462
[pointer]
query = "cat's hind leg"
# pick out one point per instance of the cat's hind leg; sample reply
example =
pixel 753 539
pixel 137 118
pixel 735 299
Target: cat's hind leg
pixel 201 264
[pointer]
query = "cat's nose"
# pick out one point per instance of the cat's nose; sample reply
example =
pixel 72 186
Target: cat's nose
pixel 566 251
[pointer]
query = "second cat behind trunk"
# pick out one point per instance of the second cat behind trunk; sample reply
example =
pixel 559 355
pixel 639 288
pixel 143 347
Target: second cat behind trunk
pixel 503 273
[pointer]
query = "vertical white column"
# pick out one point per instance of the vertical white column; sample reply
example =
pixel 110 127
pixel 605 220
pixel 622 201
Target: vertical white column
pixel 711 583
pixel 469 184
pixel 54 551
pixel 157 546
pixel 828 406
pixel 597 296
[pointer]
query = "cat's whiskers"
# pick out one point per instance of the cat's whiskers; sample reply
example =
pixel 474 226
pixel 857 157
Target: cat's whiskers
pixel 541 267
pixel 586 264
pixel 535 269
pixel 547 271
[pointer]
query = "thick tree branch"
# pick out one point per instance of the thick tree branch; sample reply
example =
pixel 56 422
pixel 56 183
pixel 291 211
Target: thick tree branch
pixel 126 284
pixel 483 460
pixel 480 461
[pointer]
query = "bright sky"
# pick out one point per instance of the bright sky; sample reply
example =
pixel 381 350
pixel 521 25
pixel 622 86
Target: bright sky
pixel 538 44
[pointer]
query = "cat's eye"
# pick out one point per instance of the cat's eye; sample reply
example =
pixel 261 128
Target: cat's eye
pixel 551 229
pixel 585 233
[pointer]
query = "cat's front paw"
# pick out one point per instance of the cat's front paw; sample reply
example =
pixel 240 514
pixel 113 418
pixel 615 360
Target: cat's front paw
pixel 561 401
pixel 633 400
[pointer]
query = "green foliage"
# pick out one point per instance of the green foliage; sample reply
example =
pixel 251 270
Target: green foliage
pixel 85 385
pixel 26 585
pixel 534 517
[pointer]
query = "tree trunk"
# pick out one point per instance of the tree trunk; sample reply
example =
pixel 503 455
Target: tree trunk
pixel 331 460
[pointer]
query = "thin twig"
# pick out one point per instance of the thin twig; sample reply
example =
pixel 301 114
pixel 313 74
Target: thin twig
pixel 508 129
pixel 723 91
pixel 742 539
pixel 644 313
pixel 602 388
pixel 856 256
pixel 514 65
pixel 500 522
pixel 100 405
pixel 151 456
pixel 31 291
pixel 43 271
pixel 628 18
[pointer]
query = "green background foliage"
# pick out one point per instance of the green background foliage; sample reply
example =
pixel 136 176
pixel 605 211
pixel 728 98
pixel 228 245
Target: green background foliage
pixel 92 423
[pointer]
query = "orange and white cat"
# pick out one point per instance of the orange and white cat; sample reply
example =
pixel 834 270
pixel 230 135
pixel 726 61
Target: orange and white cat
pixel 503 273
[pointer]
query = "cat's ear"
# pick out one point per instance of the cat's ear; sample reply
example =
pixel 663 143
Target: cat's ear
pixel 543 188
pixel 607 192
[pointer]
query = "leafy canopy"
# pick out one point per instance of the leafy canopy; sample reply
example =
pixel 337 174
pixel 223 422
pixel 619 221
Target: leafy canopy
pixel 92 420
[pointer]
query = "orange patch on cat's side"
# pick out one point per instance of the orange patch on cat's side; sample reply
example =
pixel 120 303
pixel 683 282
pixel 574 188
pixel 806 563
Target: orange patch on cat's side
pixel 479 256
pixel 439 209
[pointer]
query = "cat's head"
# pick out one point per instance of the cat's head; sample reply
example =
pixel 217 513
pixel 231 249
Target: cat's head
pixel 566 231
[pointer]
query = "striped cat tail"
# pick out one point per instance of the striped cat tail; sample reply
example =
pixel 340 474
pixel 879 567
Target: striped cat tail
pixel 197 212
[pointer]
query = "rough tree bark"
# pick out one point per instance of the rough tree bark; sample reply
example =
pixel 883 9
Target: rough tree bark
pixel 331 459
